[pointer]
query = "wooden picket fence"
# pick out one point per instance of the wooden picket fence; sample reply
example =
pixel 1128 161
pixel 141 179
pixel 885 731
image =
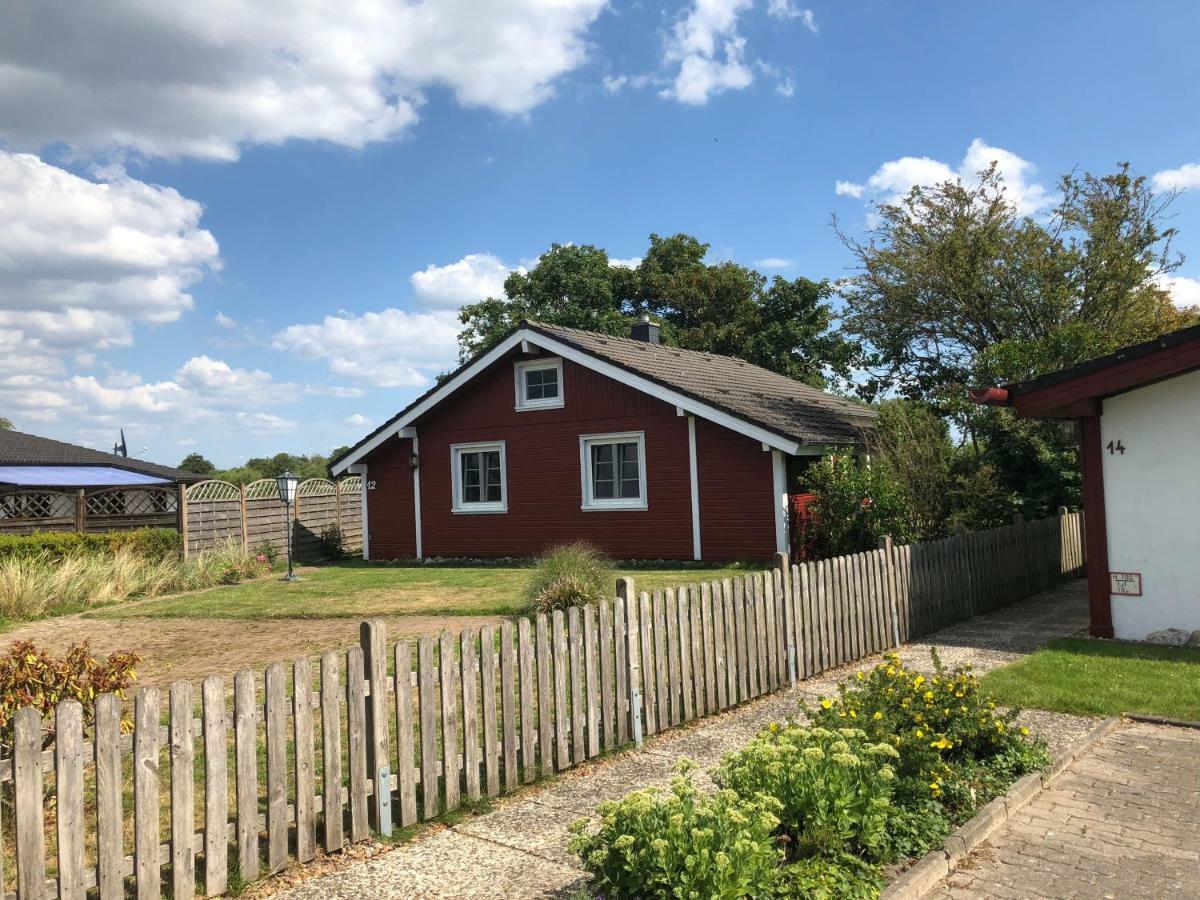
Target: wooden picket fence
pixel 392 735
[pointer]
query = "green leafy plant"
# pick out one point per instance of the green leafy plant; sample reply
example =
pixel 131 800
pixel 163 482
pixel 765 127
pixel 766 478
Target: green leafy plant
pixel 855 505
pixel 573 574
pixel 838 876
pixel 153 543
pixel 682 843
pixel 333 542
pixel 834 786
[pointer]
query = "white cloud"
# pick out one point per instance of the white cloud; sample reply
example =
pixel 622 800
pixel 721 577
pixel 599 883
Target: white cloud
pixel 774 262
pixel 82 261
pixel 391 348
pixel 631 263
pixel 472 278
pixel 225 321
pixel 203 80
pixel 786 87
pixel 216 381
pixel 1186 177
pixel 709 51
pixel 358 420
pixel 787 9
pixel 895 178
pixel 1184 291
pixel 264 423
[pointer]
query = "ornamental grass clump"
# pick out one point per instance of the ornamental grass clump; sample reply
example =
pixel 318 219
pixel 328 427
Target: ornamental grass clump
pixel 575 574
pixel 955 746
pixel 682 843
pixel 834 787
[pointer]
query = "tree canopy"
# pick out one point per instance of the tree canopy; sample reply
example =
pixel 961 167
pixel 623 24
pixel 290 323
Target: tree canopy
pixel 784 325
pixel 197 463
pixel 955 289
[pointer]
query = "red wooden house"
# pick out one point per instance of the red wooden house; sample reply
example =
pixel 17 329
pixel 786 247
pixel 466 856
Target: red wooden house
pixel 556 434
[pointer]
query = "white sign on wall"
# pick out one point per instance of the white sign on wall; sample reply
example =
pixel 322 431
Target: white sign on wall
pixel 1126 584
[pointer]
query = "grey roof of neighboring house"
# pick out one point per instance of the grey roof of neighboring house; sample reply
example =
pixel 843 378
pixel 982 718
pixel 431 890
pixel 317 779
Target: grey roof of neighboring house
pixel 18 448
pixel 749 392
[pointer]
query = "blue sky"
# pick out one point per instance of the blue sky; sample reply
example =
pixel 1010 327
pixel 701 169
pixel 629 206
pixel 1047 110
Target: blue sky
pixel 243 228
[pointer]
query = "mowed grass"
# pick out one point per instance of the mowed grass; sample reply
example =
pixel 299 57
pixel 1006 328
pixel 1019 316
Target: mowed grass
pixel 1103 678
pixel 358 590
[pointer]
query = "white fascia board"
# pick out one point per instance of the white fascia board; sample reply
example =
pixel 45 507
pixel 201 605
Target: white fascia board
pixel 435 398
pixel 526 337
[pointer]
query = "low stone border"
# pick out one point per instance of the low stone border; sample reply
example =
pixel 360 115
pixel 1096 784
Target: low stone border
pixel 928 872
pixel 1161 720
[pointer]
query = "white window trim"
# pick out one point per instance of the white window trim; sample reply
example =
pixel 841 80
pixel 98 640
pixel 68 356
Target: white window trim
pixel 468 509
pixel 522 368
pixel 590 504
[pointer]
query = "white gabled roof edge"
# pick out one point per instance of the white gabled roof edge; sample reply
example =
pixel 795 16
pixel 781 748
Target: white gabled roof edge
pixel 645 385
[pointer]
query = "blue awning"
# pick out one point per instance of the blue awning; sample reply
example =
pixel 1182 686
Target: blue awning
pixel 74 476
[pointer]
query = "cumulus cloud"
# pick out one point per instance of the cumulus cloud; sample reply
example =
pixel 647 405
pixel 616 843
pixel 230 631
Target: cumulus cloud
pixel 1184 291
pixel 709 52
pixel 391 348
pixel 203 80
pixel 264 423
pixel 472 278
pixel 82 260
pixel 1186 177
pixel 358 420
pixel 848 189
pixel 216 380
pixel 895 178
pixel 774 262
pixel 225 321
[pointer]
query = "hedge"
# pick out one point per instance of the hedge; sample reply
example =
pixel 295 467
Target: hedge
pixel 155 543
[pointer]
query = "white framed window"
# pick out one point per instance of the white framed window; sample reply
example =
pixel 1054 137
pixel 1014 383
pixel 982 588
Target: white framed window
pixel 539 383
pixel 479 475
pixel 613 470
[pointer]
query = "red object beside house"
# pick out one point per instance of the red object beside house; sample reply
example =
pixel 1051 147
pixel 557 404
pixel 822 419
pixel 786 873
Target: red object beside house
pixel 557 435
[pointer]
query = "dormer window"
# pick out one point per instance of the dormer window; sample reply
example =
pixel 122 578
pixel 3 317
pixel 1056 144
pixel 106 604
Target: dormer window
pixel 539 383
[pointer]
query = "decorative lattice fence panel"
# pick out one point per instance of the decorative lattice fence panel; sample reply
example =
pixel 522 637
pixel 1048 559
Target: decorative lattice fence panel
pixel 253 515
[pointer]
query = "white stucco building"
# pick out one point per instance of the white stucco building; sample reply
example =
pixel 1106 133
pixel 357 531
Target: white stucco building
pixel 1139 421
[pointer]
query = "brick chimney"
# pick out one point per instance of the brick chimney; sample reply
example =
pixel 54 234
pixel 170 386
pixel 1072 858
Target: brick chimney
pixel 647 331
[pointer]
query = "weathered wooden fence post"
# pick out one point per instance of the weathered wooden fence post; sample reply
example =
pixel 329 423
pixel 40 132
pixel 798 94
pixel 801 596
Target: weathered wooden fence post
pixel 181 513
pixel 782 563
pixel 889 556
pixel 81 510
pixel 373 638
pixel 242 519
pixel 627 597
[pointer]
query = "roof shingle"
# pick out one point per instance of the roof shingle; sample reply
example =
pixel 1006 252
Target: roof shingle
pixel 20 449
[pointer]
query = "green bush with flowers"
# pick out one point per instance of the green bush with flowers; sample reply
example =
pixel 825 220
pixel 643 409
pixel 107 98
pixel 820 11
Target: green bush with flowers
pixel 682 843
pixel 955 747
pixel 834 786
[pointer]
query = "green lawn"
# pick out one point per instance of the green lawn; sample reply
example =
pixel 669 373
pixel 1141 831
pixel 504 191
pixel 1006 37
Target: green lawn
pixel 1103 678
pixel 357 590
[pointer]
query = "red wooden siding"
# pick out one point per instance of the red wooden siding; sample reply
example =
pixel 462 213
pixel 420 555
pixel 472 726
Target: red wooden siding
pixel 393 527
pixel 544 484
pixel 737 518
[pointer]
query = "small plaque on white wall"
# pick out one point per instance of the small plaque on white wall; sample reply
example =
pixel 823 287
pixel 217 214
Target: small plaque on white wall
pixel 1126 584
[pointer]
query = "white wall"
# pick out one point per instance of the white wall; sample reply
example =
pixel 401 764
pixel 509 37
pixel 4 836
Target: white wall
pixel 1152 503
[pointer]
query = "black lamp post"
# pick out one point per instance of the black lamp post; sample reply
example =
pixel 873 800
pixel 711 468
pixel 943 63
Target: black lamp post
pixel 287 484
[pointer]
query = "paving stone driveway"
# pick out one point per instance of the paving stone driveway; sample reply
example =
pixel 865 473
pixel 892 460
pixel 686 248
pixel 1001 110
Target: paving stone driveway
pixel 519 850
pixel 1122 821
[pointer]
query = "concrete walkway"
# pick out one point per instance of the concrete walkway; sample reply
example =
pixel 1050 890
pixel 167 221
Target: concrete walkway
pixel 1122 821
pixel 519 850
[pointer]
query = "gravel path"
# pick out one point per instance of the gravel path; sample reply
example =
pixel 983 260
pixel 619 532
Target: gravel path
pixel 519 850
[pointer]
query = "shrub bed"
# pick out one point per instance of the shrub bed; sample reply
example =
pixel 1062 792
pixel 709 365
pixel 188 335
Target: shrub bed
pixel 153 543
pixel 881 772
pixel 569 575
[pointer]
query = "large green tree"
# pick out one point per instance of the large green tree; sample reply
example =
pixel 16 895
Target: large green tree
pixel 198 464
pixel 784 325
pixel 955 289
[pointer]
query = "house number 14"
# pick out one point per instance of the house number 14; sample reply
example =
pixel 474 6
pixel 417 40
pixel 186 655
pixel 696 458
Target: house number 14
pixel 1116 447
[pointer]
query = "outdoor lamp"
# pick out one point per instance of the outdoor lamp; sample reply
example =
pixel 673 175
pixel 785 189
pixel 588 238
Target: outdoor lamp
pixel 287 483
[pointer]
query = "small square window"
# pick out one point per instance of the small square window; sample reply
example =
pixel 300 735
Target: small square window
pixel 539 383
pixel 613 471
pixel 479 478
